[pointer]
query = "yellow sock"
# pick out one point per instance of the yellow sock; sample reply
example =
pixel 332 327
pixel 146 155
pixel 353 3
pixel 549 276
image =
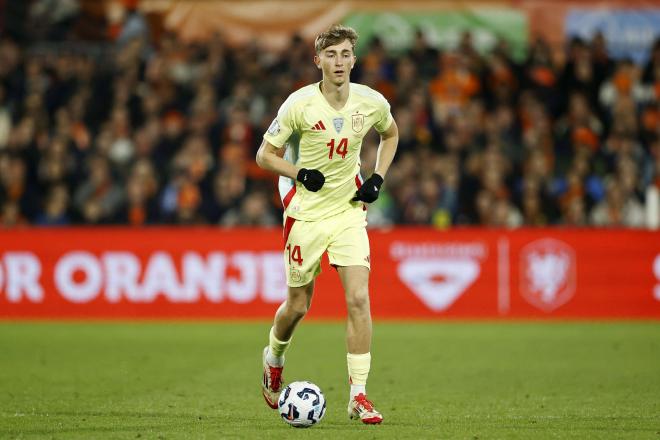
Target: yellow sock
pixel 358 371
pixel 276 350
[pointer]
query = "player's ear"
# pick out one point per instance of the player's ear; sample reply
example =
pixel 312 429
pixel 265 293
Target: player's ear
pixel 354 61
pixel 317 61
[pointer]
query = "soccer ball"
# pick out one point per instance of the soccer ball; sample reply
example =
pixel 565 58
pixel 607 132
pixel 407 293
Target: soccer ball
pixel 302 404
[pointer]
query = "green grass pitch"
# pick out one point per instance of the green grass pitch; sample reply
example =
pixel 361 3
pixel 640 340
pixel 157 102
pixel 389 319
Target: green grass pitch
pixel 463 380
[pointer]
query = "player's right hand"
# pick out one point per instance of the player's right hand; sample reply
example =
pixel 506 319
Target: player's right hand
pixel 313 180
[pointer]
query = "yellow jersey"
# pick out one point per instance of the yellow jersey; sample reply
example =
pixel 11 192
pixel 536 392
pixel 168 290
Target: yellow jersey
pixel 317 136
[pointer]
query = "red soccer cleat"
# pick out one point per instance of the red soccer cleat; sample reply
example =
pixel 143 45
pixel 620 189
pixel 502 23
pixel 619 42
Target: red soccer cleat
pixel 272 382
pixel 361 408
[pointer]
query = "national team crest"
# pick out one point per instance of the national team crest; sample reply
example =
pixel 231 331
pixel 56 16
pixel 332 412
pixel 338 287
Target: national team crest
pixel 547 273
pixel 358 122
pixel 339 124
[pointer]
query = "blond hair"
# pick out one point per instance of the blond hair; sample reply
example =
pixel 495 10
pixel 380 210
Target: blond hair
pixel 335 35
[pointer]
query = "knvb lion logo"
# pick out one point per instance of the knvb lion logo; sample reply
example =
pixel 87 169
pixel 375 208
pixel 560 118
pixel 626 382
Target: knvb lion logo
pixel 548 273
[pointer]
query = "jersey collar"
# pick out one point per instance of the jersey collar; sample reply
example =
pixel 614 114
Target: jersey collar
pixel 325 101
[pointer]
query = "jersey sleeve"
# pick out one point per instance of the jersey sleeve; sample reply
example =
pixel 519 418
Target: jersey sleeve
pixel 282 126
pixel 385 117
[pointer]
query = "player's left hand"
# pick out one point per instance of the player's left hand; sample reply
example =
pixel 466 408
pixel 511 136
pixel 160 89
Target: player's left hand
pixel 369 190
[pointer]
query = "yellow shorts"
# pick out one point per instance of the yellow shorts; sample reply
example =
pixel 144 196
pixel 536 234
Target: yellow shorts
pixel 343 236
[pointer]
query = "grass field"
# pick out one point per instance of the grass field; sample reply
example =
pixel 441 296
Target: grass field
pixel 450 380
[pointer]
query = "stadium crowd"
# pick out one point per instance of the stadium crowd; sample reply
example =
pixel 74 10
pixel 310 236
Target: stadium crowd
pixel 166 133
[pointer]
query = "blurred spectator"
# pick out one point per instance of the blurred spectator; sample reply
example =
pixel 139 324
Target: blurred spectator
pixel 579 73
pixel 618 209
pixel 5 119
pixel 99 197
pixel 423 55
pixel 56 208
pixel 625 82
pixel 140 203
pixel 52 19
pixel 227 192
pixel 254 210
pixel 133 24
pixel 16 188
pixel 453 87
pixel 10 215
pixel 541 76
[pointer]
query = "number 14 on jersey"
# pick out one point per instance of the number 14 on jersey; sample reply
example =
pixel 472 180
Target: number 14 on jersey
pixel 341 149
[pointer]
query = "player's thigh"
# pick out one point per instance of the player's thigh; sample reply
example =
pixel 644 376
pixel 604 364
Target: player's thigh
pixel 349 242
pixel 303 249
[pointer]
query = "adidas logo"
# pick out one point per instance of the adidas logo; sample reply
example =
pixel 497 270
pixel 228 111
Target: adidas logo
pixel 319 126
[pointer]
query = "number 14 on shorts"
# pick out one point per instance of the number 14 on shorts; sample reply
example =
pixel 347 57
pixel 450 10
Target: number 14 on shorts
pixel 294 254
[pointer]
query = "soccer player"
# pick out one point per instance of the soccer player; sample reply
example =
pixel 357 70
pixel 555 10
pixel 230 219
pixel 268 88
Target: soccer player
pixel 314 144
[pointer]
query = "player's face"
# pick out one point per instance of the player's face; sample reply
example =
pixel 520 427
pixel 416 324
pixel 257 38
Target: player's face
pixel 336 62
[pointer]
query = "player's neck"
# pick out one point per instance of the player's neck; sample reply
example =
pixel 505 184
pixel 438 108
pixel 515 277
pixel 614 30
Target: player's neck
pixel 336 95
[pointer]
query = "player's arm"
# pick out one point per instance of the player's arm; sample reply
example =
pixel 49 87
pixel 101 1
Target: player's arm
pixel 271 158
pixel 389 139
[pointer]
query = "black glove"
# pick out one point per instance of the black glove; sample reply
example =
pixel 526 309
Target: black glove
pixel 369 190
pixel 312 179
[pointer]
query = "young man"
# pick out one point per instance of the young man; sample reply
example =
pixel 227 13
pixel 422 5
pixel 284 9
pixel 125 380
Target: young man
pixel 321 127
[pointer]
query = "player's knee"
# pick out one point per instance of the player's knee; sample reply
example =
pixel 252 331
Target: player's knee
pixel 357 301
pixel 298 309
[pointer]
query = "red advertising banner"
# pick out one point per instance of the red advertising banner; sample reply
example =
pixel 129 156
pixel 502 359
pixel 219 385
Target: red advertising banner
pixel 416 273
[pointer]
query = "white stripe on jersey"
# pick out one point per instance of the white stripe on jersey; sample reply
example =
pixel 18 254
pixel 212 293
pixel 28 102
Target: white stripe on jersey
pixel 304 92
pixel 367 91
pixel 284 185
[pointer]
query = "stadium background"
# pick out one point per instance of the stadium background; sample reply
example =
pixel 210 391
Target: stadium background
pixel 515 247
pixel 525 184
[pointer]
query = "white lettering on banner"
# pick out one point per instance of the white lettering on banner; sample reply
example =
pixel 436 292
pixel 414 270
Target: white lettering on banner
pixel 199 276
pixel 121 275
pixel 656 272
pixel 78 291
pixel 81 277
pixel 22 272
pixel 273 282
pixel 160 277
pixel 547 273
pixel 243 289
pixel 438 282
pixel 400 250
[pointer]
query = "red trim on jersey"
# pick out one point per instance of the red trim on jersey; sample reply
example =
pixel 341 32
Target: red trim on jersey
pixel 288 224
pixel 289 196
pixel 321 124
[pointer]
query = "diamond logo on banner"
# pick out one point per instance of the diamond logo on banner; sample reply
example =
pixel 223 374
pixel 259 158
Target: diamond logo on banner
pixel 438 282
